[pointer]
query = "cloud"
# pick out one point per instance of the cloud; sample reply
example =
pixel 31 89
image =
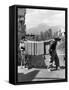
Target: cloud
pixel 50 17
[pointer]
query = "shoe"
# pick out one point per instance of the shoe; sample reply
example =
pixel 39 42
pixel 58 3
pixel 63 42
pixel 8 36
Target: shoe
pixel 58 68
pixel 48 70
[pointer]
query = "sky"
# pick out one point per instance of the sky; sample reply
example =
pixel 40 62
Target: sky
pixel 34 17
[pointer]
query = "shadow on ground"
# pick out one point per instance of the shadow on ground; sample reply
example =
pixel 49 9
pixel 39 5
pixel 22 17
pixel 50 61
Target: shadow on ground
pixel 27 77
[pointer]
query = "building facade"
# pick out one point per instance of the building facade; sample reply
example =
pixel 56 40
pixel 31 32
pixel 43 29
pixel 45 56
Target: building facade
pixel 21 23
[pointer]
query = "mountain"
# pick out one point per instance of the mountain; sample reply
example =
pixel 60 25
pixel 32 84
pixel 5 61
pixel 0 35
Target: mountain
pixel 40 28
pixel 43 27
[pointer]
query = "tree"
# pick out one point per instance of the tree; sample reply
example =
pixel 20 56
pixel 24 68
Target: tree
pixel 42 36
pixel 50 33
pixel 37 38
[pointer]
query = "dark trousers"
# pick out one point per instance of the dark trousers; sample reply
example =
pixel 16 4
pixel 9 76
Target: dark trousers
pixel 54 58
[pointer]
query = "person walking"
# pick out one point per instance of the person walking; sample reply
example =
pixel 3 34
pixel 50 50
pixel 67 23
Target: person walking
pixel 53 53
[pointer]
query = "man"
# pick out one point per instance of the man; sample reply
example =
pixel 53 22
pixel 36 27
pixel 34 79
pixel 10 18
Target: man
pixel 53 53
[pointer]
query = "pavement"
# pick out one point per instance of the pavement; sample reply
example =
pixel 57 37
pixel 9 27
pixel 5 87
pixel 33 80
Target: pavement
pixel 37 74
pixel 41 74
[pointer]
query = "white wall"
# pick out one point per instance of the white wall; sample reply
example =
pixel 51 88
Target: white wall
pixel 4 44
